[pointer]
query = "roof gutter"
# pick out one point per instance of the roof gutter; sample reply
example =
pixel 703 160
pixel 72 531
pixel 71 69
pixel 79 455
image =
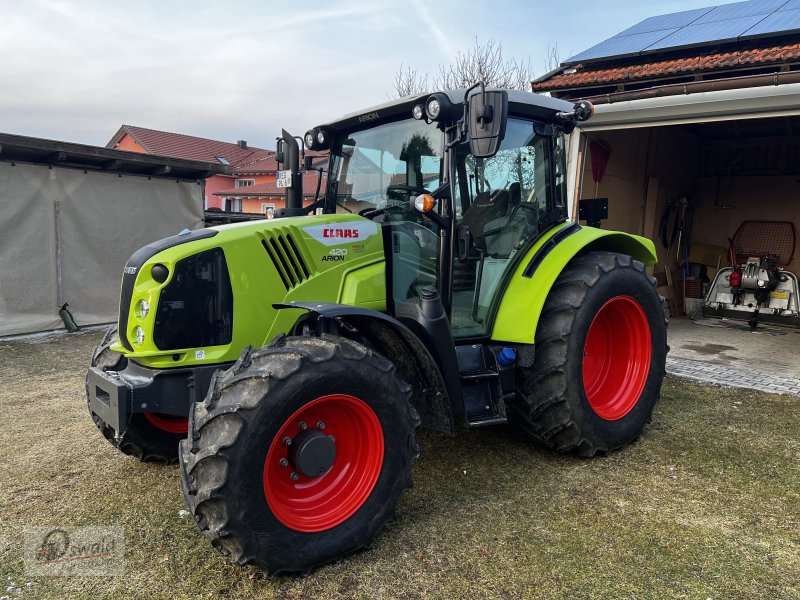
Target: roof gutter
pixel 694 87
pixel 751 97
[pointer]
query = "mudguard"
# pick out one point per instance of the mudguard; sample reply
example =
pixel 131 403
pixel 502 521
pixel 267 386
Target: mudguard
pixel 430 395
pixel 529 285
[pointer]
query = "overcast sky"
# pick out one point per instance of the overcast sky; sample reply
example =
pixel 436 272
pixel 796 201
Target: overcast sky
pixel 75 70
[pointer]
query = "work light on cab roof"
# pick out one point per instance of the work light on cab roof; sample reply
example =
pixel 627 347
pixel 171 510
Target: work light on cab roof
pixel 316 139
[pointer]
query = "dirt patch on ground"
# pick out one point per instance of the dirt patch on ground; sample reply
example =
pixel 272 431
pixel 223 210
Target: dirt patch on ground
pixel 706 504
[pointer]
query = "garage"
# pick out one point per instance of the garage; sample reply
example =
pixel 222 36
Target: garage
pixel 690 187
pixel 694 144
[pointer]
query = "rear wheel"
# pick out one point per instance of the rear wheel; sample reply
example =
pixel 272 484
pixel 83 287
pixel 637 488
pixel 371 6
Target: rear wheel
pixel 299 453
pixel 150 437
pixel 600 357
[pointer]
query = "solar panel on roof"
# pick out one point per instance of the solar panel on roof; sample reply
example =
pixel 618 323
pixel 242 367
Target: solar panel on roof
pixel 699 27
pixel 673 21
pixel 741 9
pixel 621 45
pixel 719 31
pixel 783 21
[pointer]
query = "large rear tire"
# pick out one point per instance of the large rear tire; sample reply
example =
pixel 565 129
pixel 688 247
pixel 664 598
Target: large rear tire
pixel 601 347
pixel 299 453
pixel 150 437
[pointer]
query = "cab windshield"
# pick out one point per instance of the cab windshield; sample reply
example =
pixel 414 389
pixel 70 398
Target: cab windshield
pixel 384 167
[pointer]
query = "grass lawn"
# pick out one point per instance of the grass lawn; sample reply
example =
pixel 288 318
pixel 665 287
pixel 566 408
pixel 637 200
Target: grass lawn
pixel 705 505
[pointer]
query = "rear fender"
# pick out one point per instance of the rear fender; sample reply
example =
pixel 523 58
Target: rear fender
pixel 413 360
pixel 527 290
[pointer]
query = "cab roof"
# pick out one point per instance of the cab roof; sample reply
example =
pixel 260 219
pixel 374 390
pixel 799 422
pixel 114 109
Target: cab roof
pixel 520 104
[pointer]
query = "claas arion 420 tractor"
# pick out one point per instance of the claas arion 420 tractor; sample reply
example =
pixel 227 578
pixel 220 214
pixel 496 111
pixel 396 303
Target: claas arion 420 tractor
pixel 437 282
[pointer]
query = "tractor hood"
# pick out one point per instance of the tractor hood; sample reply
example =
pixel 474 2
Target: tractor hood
pixel 202 296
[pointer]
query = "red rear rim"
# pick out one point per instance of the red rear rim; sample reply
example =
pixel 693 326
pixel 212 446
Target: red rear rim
pixel 616 358
pixel 310 504
pixel 168 423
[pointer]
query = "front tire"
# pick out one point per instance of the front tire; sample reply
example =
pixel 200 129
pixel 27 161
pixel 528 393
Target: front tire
pixel 299 453
pixel 149 437
pixel 601 348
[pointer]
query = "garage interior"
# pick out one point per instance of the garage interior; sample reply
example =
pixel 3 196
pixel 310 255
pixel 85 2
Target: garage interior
pixel 729 172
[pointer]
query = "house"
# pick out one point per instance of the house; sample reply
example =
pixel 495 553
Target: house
pixel 254 188
pixel 696 112
pixel 177 145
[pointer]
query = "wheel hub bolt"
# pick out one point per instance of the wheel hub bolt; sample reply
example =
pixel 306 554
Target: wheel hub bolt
pixel 284 462
pixel 287 441
pixel 303 426
pixel 294 476
pixel 320 425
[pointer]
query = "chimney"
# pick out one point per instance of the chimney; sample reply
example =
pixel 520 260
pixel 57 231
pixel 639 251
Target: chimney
pixel 242 144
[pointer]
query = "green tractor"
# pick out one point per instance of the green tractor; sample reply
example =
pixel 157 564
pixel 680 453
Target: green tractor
pixel 285 364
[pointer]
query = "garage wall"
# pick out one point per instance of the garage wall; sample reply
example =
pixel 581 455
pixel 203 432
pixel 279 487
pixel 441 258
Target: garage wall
pixel 773 198
pixel 665 157
pixel 65 236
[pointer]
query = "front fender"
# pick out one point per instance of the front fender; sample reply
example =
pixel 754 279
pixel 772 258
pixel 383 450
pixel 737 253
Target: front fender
pixel 399 344
pixel 530 284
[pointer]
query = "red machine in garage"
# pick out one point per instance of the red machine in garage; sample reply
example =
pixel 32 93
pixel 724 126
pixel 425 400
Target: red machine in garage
pixel 757 287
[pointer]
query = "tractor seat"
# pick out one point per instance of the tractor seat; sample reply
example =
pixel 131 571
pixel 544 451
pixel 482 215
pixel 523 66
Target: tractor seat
pixel 490 206
pixel 490 211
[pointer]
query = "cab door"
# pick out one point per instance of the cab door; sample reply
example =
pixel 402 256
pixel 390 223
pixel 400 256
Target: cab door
pixel 502 204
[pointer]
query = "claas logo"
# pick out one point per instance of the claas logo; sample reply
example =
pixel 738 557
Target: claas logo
pixel 336 232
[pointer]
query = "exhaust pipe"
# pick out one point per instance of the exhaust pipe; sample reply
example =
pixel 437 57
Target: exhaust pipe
pixel 288 156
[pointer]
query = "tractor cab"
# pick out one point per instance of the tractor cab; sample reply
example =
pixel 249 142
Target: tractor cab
pixel 463 182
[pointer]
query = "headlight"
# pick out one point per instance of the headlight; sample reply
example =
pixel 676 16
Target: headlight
pixel 138 335
pixel 418 112
pixel 433 108
pixel 142 309
pixel 309 139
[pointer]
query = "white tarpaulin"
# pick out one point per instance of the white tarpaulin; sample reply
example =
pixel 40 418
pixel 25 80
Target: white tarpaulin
pixel 66 234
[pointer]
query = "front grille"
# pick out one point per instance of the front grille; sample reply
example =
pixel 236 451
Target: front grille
pixel 287 259
pixel 195 309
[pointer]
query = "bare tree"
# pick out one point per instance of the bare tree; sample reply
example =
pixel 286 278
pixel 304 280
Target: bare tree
pixel 482 62
pixel 408 82
pixel 553 58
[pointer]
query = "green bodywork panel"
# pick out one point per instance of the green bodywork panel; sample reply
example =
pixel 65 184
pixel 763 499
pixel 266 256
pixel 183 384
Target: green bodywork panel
pixel 344 263
pixel 524 297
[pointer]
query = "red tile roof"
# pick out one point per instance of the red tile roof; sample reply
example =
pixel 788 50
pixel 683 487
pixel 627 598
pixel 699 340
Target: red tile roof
pixel 268 189
pixel 608 73
pixel 266 164
pixel 178 145
pixel 270 165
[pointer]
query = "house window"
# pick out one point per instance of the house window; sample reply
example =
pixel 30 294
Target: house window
pixel 265 206
pixel 233 204
pixel 240 183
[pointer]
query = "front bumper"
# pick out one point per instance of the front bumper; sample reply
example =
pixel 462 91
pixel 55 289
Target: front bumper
pixel 115 396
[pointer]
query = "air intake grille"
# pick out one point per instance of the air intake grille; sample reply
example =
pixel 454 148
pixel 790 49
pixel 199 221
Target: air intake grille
pixel 285 255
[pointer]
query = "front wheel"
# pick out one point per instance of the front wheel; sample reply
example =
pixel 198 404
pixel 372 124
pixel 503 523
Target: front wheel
pixel 601 347
pixel 299 453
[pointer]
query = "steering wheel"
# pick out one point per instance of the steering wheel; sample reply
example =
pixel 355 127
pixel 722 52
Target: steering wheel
pixel 403 192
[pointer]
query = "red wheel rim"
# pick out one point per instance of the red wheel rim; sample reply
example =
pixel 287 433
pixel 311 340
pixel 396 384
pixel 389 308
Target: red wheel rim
pixel 318 503
pixel 616 358
pixel 168 423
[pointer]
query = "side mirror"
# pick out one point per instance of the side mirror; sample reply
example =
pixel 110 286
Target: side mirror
pixel 488 115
